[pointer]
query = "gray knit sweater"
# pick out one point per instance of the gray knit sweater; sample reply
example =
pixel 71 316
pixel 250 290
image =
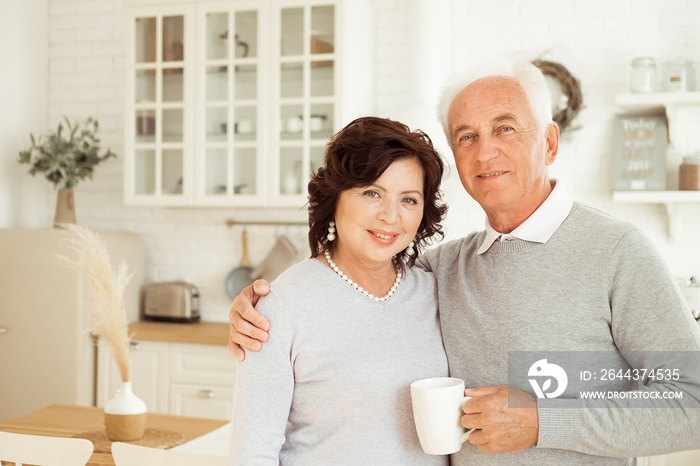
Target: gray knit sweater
pixel 598 284
pixel 334 376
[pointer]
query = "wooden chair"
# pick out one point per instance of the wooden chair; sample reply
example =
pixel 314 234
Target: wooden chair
pixel 45 451
pixel 126 454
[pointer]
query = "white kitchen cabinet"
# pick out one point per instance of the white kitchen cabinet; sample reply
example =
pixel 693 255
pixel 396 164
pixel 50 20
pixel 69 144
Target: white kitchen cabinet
pixel 682 111
pixel 159 111
pixel 150 373
pixel 188 379
pixel 203 380
pixel 232 103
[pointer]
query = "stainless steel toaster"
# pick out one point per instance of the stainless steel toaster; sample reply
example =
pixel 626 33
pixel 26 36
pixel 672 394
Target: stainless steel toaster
pixel 173 301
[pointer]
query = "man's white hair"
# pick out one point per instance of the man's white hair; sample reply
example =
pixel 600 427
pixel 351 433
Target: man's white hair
pixel 528 75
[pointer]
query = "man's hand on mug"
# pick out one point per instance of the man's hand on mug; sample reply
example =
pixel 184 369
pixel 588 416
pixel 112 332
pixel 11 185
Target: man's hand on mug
pixel 500 428
pixel 247 328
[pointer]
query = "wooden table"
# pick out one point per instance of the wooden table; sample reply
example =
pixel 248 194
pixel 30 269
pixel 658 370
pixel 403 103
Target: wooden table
pixel 60 420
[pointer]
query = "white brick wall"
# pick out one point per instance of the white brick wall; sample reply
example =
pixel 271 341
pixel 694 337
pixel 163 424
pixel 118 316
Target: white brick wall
pixel 596 40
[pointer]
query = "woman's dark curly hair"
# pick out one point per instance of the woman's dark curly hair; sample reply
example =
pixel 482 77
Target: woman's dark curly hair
pixel 357 156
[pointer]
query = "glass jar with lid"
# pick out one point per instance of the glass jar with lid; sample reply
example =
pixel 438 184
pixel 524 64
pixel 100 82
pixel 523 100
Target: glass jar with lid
pixel 689 173
pixel 678 76
pixel 643 75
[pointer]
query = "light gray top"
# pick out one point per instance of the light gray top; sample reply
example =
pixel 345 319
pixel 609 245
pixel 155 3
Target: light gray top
pixel 598 284
pixel 334 376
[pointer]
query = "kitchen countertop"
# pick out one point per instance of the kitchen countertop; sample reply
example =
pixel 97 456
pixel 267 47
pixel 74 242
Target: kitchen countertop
pixel 210 333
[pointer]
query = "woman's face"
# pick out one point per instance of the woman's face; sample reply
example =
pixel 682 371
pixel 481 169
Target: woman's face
pixel 376 222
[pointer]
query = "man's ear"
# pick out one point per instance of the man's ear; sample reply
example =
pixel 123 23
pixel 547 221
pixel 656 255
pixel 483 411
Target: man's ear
pixel 552 142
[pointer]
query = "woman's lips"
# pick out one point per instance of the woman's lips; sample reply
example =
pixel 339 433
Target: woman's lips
pixel 384 236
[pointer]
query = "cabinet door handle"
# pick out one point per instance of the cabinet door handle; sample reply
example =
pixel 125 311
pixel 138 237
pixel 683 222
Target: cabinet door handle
pixel 206 394
pixel 135 345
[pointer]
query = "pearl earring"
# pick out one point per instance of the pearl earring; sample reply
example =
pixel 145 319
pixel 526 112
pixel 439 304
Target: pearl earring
pixel 409 250
pixel 331 231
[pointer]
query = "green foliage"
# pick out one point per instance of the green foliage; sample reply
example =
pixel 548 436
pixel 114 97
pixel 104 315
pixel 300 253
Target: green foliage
pixel 66 157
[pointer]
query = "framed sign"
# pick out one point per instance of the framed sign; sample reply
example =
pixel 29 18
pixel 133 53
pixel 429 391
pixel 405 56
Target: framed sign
pixel 639 152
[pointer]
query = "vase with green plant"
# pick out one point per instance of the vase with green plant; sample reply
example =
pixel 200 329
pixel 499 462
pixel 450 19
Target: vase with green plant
pixel 66 157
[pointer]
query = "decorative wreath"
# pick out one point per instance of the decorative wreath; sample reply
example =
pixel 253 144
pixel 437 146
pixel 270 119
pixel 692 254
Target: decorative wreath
pixel 570 88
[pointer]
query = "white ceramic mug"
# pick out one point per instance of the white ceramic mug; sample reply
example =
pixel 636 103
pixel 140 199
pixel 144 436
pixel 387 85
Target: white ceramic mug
pixel 437 410
pixel 316 123
pixel 295 124
pixel 244 127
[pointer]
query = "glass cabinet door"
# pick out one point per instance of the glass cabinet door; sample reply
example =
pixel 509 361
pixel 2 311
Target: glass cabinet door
pixel 230 116
pixel 233 103
pixel 306 94
pixel 158 108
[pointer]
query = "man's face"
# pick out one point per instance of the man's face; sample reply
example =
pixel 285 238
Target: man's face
pixel 501 155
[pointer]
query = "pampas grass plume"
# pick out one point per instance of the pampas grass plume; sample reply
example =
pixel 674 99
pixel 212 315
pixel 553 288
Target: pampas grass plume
pixel 108 317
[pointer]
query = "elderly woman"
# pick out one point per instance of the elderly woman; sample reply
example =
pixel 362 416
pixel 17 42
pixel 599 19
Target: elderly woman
pixel 355 324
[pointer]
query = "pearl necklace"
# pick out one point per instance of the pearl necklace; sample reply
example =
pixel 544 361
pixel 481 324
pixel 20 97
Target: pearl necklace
pixel 340 273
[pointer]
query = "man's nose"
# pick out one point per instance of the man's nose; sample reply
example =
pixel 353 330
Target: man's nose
pixel 487 148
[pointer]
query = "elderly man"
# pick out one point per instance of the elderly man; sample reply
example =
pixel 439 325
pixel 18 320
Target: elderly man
pixel 547 274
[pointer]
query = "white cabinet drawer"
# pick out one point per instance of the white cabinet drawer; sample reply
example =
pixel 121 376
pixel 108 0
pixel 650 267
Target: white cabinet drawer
pixel 201 400
pixel 203 364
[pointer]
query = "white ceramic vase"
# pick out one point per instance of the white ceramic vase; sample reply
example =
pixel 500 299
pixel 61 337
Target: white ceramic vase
pixel 125 415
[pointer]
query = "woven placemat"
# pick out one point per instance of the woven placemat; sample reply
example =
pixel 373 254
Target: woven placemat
pixel 154 438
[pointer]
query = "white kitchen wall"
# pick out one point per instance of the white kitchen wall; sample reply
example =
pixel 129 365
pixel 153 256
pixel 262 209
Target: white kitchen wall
pixel 595 40
pixel 23 96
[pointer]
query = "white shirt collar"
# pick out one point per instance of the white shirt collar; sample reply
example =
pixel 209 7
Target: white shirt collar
pixel 541 225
